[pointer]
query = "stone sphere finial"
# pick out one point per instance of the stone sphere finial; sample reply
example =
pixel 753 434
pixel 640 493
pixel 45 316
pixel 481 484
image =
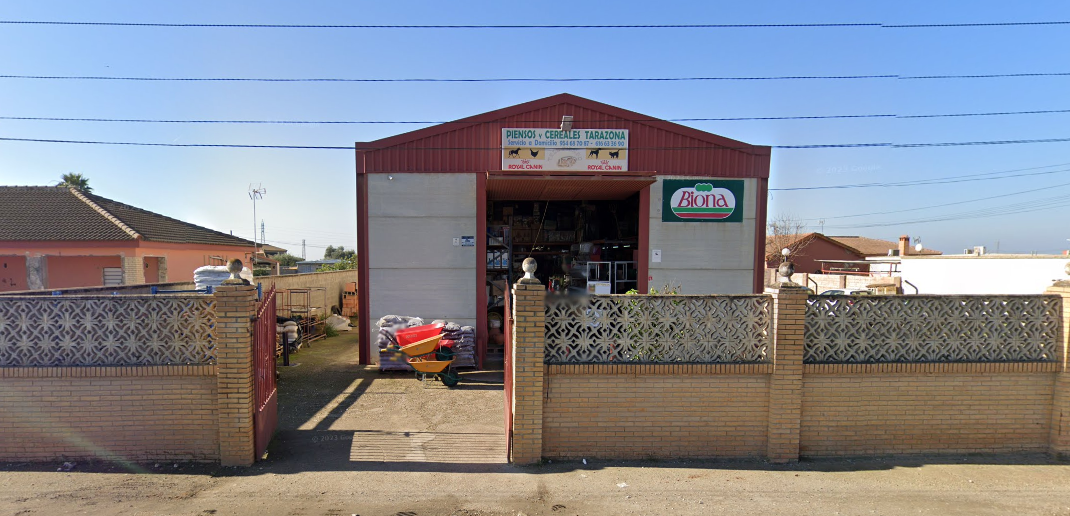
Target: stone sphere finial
pixel 1066 268
pixel 234 267
pixel 529 267
pixel 785 271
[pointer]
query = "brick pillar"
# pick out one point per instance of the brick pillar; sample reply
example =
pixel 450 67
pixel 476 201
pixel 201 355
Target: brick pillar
pixel 528 349
pixel 1060 411
pixel 785 386
pixel 235 309
pixel 133 270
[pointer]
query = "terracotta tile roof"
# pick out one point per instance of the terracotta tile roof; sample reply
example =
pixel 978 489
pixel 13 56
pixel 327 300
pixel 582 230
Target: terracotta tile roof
pixel 798 241
pixel 861 245
pixel 53 213
pixel 876 247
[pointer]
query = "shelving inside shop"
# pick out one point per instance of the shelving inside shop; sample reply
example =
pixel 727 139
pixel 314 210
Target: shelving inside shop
pixel 579 246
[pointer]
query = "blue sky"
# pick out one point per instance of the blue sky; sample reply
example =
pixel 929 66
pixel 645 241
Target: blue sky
pixel 310 193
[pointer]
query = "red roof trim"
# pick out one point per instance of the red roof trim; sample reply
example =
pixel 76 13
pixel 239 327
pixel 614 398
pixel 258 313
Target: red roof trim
pixel 562 98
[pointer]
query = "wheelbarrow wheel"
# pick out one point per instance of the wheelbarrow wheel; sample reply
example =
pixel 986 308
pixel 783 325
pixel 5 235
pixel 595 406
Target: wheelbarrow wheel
pixel 420 376
pixel 450 379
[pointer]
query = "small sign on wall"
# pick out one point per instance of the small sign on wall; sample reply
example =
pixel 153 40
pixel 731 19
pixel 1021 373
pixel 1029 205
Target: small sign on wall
pixel 468 241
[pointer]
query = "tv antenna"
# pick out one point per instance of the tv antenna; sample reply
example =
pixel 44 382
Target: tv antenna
pixel 822 224
pixel 255 194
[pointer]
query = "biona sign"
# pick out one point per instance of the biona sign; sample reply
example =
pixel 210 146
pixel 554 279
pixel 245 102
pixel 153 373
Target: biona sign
pixel 707 200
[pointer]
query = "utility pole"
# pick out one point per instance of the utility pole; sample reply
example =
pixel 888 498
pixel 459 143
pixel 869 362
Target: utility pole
pixel 254 194
pixel 263 239
pixel 302 249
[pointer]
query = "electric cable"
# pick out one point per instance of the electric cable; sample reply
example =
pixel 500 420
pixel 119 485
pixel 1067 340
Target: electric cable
pixel 507 122
pixel 924 182
pixel 929 207
pixel 465 80
pixel 527 79
pixel 498 149
pixel 511 27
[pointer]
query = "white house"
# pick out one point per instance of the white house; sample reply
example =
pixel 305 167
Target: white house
pixel 981 273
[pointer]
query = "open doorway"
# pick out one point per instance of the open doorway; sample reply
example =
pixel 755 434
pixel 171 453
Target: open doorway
pixel 580 247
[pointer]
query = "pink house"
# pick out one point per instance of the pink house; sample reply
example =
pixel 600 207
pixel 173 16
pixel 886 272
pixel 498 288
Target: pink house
pixel 57 237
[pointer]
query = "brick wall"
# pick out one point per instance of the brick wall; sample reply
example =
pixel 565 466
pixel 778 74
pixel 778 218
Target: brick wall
pixel 925 412
pixel 784 409
pixel 119 413
pixel 333 281
pixel 639 412
pixel 139 412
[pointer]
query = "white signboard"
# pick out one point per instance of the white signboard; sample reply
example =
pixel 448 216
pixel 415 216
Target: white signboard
pixel 554 149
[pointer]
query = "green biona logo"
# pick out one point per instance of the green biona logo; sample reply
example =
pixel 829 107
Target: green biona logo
pixel 703 202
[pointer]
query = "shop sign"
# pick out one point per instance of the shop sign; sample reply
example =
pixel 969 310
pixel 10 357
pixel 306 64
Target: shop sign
pixel 702 200
pixel 554 149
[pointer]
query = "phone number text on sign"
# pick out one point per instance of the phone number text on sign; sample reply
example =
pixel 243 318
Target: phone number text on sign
pixel 553 149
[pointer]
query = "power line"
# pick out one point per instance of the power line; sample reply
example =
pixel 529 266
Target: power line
pixel 981 24
pixel 211 145
pixel 507 122
pixel 496 149
pixel 509 27
pixel 338 26
pixel 931 181
pixel 500 122
pixel 995 211
pixel 528 79
pixel 438 80
pixel 979 199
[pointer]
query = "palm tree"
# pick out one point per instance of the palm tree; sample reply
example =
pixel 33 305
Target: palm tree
pixel 77 181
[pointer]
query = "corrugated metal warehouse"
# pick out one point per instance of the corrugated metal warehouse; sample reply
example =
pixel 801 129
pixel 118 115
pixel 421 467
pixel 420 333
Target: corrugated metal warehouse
pixel 606 200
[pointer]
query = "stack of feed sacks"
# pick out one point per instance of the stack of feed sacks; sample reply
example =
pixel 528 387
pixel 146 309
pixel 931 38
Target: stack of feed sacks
pixel 388 327
pixel 462 339
pixel 214 275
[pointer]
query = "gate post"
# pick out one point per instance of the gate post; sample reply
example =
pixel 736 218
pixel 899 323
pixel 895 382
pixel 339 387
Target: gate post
pixel 528 350
pixel 785 386
pixel 1059 439
pixel 235 310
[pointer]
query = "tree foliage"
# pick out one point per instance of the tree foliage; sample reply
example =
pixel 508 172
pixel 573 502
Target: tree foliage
pixel 286 259
pixel 338 253
pixel 349 262
pixel 75 180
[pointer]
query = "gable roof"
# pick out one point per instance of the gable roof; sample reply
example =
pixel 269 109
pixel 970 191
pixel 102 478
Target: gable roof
pixel 876 247
pixel 57 213
pixel 801 240
pixel 474 143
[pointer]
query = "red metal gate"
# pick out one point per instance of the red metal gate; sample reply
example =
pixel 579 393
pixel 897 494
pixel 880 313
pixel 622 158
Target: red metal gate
pixel 266 414
pixel 508 365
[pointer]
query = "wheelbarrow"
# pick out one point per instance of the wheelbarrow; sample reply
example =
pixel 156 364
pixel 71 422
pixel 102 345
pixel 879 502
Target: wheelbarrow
pixel 425 357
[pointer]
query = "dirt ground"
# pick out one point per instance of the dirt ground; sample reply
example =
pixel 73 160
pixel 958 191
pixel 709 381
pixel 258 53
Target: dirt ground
pixel 354 441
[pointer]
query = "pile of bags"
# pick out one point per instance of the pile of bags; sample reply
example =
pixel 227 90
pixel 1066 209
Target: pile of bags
pixel 462 339
pixel 388 327
pixel 213 275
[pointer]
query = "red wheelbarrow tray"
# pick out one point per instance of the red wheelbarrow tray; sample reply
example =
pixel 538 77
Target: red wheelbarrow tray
pixel 417 333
